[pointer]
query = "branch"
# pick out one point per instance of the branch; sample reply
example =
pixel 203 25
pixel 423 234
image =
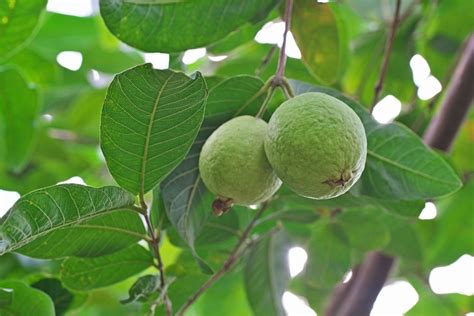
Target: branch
pixel 339 294
pixel 386 58
pixel 155 246
pixel 460 94
pixel 228 264
pixel 440 134
pixel 282 60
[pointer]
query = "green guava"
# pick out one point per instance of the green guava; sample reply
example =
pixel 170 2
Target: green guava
pixel 233 163
pixel 317 145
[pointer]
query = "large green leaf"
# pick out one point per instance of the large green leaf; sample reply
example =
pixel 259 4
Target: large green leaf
pixel 416 172
pixel 430 303
pixel 329 256
pixel 439 44
pixel 363 228
pixel 60 296
pixel 187 201
pixel 175 27
pixel 267 274
pixel 150 119
pixel 46 210
pixel 404 240
pixel 18 21
pixel 449 235
pixel 19 109
pixel 6 297
pixel 26 301
pixel 84 274
pixel 99 236
pixel 321 37
pixel 37 68
pixel 225 297
pixel 292 201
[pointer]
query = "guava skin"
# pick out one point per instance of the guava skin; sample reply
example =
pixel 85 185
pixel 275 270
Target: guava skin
pixel 233 163
pixel 317 145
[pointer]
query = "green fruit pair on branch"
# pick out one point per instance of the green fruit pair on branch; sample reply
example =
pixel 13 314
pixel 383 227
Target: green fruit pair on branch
pixel 314 143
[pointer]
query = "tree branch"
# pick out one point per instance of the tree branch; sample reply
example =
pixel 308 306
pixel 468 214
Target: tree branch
pixel 228 264
pixel 339 294
pixel 386 58
pixel 445 125
pixel 440 134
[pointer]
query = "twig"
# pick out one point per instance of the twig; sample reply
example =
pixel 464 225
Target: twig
pixel 155 246
pixel 440 134
pixel 228 264
pixel 277 80
pixel 386 58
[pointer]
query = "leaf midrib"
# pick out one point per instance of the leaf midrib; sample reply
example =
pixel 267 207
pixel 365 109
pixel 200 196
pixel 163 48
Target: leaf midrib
pixel 148 134
pixel 65 225
pixel 407 169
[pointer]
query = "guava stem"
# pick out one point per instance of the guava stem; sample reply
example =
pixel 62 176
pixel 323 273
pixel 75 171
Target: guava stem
pixel 386 57
pixel 282 60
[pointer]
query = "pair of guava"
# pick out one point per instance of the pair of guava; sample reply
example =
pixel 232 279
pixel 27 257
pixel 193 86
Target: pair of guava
pixel 314 143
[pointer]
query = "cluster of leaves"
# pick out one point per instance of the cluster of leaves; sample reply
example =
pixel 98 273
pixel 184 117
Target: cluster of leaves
pixel 152 126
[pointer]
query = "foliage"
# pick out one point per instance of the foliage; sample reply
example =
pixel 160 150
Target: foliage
pixel 135 136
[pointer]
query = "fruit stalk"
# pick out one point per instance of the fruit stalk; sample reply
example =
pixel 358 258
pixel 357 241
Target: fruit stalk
pixel 440 134
pixel 282 60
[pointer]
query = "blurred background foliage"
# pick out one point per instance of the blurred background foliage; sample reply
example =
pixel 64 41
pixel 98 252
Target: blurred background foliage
pixel 57 106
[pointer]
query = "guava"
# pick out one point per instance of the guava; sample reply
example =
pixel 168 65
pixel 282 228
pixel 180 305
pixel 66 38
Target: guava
pixel 233 163
pixel 317 145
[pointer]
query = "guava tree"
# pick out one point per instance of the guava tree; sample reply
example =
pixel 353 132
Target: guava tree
pixel 202 176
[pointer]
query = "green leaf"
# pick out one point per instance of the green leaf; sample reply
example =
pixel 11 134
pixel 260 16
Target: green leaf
pixel 37 68
pixel 61 297
pixel 247 59
pixel 99 236
pixel 293 201
pixel 26 301
pixel 46 210
pixel 187 201
pixel 329 255
pixel 225 297
pixel 267 274
pixel 244 34
pixel 416 172
pixel 19 109
pixel 84 274
pixel 404 240
pixel 437 43
pixel 364 229
pixel 142 289
pixel 6 297
pixel 18 21
pixel 430 303
pixel 188 279
pixel 175 27
pixel 449 235
pixel 320 35
pixel 150 119
pixel 158 215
